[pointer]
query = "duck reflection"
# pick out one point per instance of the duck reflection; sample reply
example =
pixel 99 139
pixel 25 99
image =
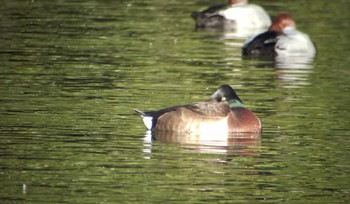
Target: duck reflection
pixel 290 72
pixel 294 72
pixel 231 143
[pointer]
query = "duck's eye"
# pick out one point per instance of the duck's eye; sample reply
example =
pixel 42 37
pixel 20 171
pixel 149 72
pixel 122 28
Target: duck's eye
pixel 223 98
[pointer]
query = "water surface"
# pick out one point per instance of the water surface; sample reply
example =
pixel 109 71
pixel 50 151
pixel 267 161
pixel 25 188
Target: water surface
pixel 71 73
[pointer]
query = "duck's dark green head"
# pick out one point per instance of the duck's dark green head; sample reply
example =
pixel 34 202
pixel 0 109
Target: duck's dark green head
pixel 226 93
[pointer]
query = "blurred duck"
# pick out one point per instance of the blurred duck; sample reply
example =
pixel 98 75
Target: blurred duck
pixel 223 113
pixel 281 40
pixel 232 16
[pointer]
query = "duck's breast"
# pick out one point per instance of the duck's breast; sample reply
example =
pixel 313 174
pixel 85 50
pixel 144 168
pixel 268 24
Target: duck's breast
pixel 243 120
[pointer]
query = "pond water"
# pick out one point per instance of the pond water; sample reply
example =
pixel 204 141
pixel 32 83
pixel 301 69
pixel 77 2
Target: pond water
pixel 71 73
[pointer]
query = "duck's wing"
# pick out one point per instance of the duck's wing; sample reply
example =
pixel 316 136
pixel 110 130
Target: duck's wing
pixel 178 116
pixel 213 10
pixel 194 117
pixel 209 18
pixel 262 45
pixel 150 118
pixel 209 109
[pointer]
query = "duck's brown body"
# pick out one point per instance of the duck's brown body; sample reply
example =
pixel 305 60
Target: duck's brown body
pixel 204 117
pixel 224 113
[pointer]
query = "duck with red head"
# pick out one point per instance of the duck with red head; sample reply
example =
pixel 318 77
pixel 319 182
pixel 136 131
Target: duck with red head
pixel 282 39
pixel 281 22
pixel 233 16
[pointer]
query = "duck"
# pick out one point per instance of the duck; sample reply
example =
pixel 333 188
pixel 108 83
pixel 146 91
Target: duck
pixel 223 112
pixel 281 40
pixel 232 16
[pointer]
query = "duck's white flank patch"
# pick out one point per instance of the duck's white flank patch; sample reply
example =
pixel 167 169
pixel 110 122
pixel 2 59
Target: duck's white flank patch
pixel 214 130
pixel 147 120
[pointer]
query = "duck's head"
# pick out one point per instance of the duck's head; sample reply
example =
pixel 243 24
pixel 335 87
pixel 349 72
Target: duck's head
pixel 226 93
pixel 281 22
pixel 229 2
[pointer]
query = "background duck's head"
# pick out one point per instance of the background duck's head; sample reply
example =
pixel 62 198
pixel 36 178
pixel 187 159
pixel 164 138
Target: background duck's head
pixel 226 93
pixel 281 22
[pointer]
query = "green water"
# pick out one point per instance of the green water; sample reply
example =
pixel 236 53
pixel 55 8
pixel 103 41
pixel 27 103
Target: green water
pixel 72 71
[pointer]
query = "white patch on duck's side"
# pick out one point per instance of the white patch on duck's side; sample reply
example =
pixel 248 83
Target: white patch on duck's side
pixel 147 120
pixel 294 43
pixel 247 16
pixel 213 130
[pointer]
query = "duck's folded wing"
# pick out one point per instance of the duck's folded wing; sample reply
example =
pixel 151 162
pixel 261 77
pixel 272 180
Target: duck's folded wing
pixel 189 118
pixel 209 109
pixel 262 45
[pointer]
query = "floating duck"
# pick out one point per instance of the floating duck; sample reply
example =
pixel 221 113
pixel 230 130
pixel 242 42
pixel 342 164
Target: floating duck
pixel 232 17
pixel 282 39
pixel 223 113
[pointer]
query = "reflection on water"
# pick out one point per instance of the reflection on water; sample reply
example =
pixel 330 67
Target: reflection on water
pixel 291 72
pixel 293 77
pixel 303 62
pixel 294 72
pixel 230 143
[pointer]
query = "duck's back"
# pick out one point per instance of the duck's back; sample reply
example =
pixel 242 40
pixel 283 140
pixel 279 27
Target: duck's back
pixel 209 18
pixel 262 45
pixel 295 43
pixel 247 16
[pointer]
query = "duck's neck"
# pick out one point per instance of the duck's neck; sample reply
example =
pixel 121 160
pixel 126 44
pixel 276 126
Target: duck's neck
pixel 236 104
